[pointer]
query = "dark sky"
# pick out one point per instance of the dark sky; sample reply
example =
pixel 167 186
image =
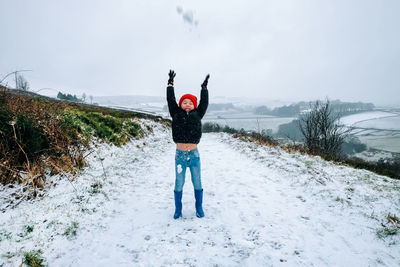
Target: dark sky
pixel 289 50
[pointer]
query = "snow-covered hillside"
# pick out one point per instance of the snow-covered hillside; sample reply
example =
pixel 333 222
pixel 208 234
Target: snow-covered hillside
pixel 263 207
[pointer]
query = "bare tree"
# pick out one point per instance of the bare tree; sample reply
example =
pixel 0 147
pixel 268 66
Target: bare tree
pixel 84 97
pixel 322 132
pixel 91 99
pixel 21 83
pixel 11 73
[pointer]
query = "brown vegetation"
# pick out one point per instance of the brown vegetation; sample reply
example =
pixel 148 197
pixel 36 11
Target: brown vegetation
pixel 40 135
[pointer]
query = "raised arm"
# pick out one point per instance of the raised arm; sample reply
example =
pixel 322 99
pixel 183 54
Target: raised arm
pixel 203 98
pixel 172 105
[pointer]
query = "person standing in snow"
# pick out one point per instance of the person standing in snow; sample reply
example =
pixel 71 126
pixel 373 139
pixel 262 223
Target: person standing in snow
pixel 186 133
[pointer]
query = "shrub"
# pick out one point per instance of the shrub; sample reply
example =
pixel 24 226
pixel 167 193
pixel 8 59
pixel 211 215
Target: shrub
pixel 6 131
pixel 215 127
pixel 31 137
pixel 263 137
pixel 386 167
pixel 21 131
pixel 322 134
pixel 133 128
pixel 209 127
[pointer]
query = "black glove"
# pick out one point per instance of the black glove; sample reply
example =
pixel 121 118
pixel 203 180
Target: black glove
pixel 204 84
pixel 172 75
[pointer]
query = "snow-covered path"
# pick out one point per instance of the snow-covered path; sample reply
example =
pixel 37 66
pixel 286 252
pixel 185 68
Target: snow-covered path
pixel 263 207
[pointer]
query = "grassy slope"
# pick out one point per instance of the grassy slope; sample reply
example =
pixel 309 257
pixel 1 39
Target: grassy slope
pixel 42 135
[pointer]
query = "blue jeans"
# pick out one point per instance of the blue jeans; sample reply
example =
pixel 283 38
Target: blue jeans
pixel 183 160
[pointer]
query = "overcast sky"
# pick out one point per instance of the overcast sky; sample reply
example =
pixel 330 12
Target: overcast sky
pixel 290 50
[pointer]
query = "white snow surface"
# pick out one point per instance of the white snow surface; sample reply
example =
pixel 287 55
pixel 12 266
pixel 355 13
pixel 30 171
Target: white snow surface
pixel 263 207
pixel 364 116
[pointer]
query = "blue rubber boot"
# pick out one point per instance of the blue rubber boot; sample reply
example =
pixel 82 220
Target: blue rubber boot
pixel 198 194
pixel 178 204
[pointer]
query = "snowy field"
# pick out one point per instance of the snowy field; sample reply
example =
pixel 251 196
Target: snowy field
pixel 365 116
pixel 385 143
pixel 386 123
pixel 378 129
pixel 263 207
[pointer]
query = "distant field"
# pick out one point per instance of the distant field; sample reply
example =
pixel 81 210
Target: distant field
pixel 387 143
pixel 386 123
pixel 377 129
pixel 365 116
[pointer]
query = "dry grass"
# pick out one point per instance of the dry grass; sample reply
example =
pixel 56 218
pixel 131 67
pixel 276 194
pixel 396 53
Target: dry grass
pixel 39 135
pixel 37 142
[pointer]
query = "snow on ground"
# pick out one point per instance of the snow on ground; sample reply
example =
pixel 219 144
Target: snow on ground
pixel 387 123
pixel 352 119
pixel 263 207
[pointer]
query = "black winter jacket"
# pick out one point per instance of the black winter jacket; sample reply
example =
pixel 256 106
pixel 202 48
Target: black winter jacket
pixel 186 126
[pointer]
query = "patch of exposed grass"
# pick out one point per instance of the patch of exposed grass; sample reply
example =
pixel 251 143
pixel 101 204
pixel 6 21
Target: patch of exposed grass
pixel 387 231
pixel 72 230
pixel 308 163
pixel 34 258
pixel 53 223
pixel 350 189
pixel 390 227
pixel 85 124
pixel 4 235
pixel 342 200
pixel 9 255
pixel 95 188
pixel 29 228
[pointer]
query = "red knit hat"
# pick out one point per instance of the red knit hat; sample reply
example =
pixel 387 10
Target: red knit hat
pixel 191 97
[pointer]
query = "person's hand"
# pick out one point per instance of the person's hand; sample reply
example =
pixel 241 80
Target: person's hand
pixel 172 75
pixel 205 83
